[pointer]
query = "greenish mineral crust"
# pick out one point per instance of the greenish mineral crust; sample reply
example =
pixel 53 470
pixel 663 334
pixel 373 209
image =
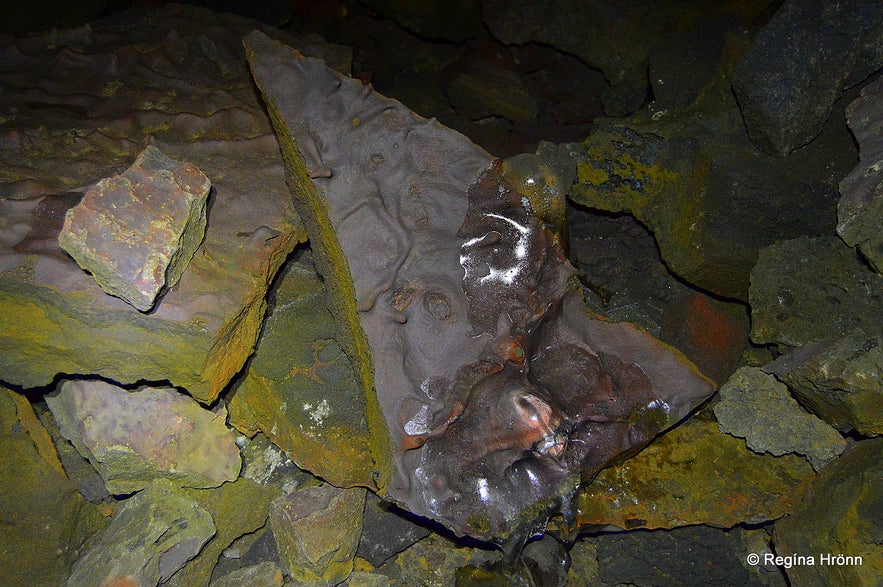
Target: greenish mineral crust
pixel 841 515
pixel 329 259
pixel 710 215
pixel 693 475
pixel 809 289
pixel 317 530
pixel 755 406
pixel 237 508
pixel 303 392
pixel 45 520
pixel 839 380
pixel 153 535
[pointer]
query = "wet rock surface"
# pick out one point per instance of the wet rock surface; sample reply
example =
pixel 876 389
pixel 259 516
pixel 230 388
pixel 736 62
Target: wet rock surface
pixel 463 266
pixel 79 105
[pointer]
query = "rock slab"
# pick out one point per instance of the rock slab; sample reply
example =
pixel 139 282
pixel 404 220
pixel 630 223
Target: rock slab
pixel 755 406
pixel 800 64
pixel 317 530
pixel 136 232
pixel 133 437
pixel 860 209
pixel 841 514
pixel 188 92
pixel 839 380
pixel 693 475
pixel 809 289
pixel 155 532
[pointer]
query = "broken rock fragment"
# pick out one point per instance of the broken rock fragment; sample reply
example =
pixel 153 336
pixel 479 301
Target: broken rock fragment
pixel 133 437
pixel 154 534
pixel 136 232
pixel 317 530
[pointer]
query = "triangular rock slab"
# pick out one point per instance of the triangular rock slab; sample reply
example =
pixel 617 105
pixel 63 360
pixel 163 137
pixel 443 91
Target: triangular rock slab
pixel 497 389
pixel 187 91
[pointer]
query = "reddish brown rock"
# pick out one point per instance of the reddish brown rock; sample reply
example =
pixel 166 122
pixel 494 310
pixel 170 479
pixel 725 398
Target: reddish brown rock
pixel 136 232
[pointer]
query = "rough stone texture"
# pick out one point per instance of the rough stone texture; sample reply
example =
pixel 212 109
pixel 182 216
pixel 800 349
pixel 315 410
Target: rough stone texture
pixel 547 561
pixel 860 209
pixel 363 579
pixel 755 406
pixel 154 533
pixel 452 21
pixel 694 557
pixel 841 514
pixel 584 568
pixel 175 79
pixel 44 519
pixel 317 530
pixel 618 39
pixel 799 65
pixel 237 508
pixel 136 232
pixel 709 214
pixel 447 288
pixel 133 437
pixel 302 392
pixel 482 91
pixel 264 574
pixel 840 380
pixel 266 464
pixel 434 561
pixel 625 280
pixel 693 475
pixel 810 289
pixel 386 531
pixel 77 467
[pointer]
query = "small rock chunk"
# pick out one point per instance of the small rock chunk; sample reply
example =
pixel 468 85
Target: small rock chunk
pixel 756 407
pixel 317 530
pixel 137 232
